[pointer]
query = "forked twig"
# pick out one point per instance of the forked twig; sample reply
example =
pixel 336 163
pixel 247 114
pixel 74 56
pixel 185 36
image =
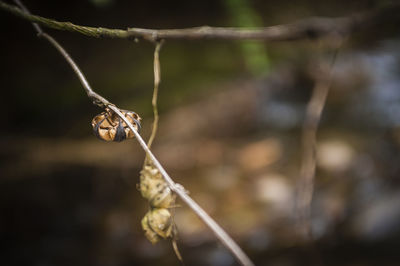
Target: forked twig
pixel 226 240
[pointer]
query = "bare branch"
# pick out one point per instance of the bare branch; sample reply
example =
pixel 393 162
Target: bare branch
pixel 309 143
pixel 226 240
pixel 96 98
pixel 312 28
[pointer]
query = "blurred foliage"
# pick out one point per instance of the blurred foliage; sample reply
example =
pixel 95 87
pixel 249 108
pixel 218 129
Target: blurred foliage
pixel 244 15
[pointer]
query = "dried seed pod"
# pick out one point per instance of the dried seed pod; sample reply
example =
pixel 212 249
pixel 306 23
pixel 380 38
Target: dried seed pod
pixel 154 188
pixel 108 126
pixel 148 232
pixel 157 224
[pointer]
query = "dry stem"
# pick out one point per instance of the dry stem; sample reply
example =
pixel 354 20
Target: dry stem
pixel 309 143
pixel 157 80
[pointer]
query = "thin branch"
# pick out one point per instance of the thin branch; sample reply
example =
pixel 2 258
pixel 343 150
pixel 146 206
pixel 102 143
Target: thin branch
pixel 147 161
pixel 96 98
pixel 309 143
pixel 157 80
pixel 226 240
pixel 313 28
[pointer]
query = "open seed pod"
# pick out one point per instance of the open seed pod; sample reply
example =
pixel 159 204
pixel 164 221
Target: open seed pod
pixel 108 126
pixel 157 224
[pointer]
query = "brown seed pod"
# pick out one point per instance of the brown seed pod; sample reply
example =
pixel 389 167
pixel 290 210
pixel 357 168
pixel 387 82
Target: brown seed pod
pixel 157 224
pixel 108 126
pixel 154 188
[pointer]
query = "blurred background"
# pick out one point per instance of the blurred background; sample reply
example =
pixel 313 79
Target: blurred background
pixel 230 132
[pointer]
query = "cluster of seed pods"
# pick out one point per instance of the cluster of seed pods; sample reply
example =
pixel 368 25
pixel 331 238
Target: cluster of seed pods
pixel 158 222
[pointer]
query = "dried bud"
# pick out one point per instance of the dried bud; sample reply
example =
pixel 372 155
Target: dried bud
pixel 157 224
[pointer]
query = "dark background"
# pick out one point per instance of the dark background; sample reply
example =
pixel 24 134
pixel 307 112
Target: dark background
pixel 230 130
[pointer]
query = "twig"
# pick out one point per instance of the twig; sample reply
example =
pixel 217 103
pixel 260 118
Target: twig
pixel 309 143
pixel 147 161
pixel 226 240
pixel 157 79
pixel 313 28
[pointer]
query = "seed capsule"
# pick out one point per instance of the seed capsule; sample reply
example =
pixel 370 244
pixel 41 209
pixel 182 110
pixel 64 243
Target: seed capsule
pixel 108 126
pixel 157 224
pixel 155 189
